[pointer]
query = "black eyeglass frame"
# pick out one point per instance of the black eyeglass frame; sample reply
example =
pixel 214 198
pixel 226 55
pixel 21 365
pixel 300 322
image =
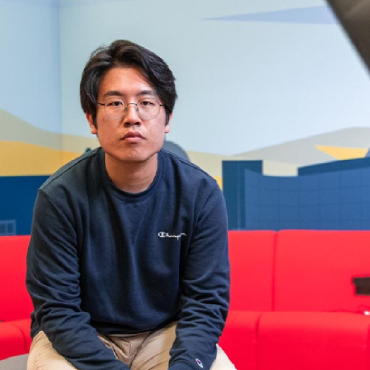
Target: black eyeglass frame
pixel 137 110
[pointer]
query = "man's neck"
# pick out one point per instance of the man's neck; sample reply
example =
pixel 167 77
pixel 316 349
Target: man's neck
pixel 132 177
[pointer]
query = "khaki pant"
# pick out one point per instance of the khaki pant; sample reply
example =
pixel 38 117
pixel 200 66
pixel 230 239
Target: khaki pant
pixel 144 351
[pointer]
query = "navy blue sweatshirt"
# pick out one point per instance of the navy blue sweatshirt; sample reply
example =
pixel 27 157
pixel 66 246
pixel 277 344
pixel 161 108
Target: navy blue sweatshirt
pixel 105 261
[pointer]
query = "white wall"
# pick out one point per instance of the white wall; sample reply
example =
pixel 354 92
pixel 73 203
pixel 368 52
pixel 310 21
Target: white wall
pixel 30 62
pixel 243 84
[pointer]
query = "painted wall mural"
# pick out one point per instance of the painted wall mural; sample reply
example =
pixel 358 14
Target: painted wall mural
pixel 268 80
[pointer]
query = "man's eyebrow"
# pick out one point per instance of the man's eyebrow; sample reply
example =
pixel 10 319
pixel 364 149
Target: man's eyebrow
pixel 118 93
pixel 145 92
pixel 112 93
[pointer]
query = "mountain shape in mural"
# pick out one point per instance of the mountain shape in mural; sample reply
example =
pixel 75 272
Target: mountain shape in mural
pixel 26 150
pixel 342 144
pixel 13 128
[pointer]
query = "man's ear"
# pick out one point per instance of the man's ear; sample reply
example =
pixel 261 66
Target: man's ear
pixel 168 125
pixel 92 125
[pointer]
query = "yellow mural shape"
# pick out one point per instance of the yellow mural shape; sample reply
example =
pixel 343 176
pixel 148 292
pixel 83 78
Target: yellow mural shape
pixel 219 180
pixel 23 159
pixel 341 153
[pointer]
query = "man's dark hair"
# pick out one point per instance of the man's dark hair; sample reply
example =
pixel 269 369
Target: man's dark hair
pixel 123 53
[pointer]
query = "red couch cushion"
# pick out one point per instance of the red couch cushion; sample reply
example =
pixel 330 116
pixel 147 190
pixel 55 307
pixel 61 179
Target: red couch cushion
pixel 251 262
pixel 15 301
pixel 239 339
pixel 12 341
pixel 313 340
pixel 314 270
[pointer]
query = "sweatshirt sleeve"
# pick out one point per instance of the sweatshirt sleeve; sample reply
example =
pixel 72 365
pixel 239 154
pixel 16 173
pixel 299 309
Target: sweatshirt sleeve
pixel 53 284
pixel 205 289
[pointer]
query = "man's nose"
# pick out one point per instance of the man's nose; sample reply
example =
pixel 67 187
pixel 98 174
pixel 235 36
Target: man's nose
pixel 131 115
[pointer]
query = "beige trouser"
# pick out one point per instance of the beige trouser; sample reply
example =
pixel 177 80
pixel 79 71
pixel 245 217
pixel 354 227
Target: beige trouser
pixel 144 351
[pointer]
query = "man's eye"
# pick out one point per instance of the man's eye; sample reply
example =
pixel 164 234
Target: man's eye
pixel 115 103
pixel 147 103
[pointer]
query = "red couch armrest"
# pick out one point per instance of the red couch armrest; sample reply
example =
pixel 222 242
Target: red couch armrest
pixel 12 341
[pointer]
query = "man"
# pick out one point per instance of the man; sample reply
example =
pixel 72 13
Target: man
pixel 128 264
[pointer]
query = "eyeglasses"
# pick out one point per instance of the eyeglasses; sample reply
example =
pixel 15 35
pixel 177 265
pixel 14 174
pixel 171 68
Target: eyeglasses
pixel 116 108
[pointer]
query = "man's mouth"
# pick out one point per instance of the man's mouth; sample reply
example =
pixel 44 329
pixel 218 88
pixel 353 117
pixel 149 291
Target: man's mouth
pixel 132 134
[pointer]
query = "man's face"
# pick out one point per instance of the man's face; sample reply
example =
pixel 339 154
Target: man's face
pixel 129 139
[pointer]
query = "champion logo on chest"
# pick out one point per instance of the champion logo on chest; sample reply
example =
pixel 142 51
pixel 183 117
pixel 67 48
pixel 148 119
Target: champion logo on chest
pixel 164 234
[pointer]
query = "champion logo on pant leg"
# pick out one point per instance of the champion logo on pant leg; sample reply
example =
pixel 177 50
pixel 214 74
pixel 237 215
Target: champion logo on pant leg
pixel 200 364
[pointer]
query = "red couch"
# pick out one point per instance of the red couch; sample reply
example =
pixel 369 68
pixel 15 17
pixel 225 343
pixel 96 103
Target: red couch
pixel 293 303
pixel 16 305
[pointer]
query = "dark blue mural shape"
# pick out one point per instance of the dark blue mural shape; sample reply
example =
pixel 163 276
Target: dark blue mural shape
pixel 234 189
pixel 17 198
pixel 308 15
pixel 349 164
pixel 331 196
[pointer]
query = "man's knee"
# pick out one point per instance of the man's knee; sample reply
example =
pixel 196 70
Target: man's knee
pixel 43 356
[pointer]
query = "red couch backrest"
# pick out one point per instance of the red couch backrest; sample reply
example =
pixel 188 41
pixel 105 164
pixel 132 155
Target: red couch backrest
pixel 15 303
pixel 314 270
pixel 292 270
pixel 251 262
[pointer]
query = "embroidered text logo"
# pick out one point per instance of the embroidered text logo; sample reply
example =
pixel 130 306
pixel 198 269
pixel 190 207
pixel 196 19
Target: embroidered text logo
pixel 163 234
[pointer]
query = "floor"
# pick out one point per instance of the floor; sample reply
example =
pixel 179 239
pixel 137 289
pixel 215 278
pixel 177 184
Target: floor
pixel 14 363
